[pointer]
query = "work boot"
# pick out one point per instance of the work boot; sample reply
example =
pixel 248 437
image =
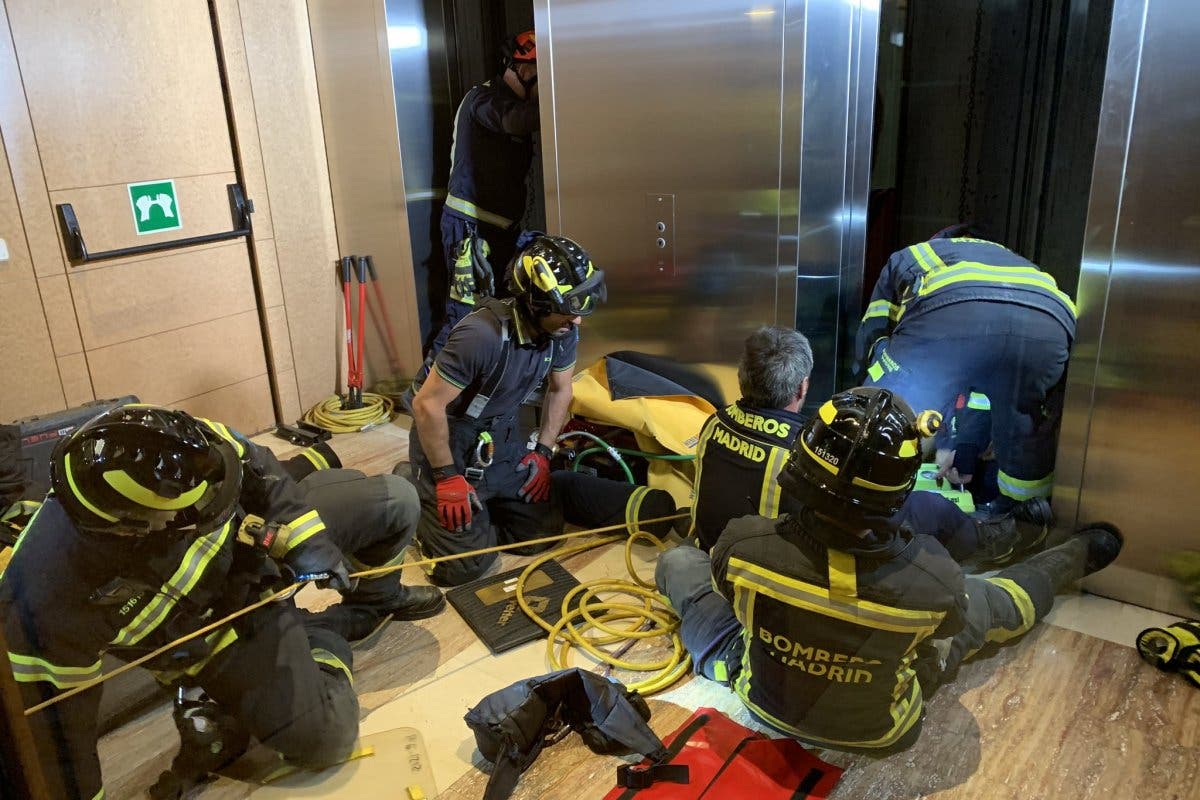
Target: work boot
pixel 1091 549
pixel 1009 538
pixel 360 622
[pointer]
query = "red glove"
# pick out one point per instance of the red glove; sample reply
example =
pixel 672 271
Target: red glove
pixel 536 488
pixel 454 500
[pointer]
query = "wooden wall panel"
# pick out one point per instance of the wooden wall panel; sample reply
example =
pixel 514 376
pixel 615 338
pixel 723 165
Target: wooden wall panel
pixel 358 106
pixel 119 301
pixel 88 131
pixel 76 380
pixel 208 352
pixel 245 119
pixel 241 405
pixel 279 59
pixel 60 315
pixel 277 327
pixel 289 396
pixel 32 385
pixel 107 222
pixel 21 148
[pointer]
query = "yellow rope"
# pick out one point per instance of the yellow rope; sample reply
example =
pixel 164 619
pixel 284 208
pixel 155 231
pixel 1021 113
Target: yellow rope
pixel 651 618
pixel 367 573
pixel 330 415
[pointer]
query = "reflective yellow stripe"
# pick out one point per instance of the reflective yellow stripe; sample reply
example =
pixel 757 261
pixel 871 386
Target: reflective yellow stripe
pixel 191 568
pixel 79 495
pixel 126 486
pixel 879 487
pixel 21 536
pixel 926 258
pixel 1019 489
pixel 882 308
pixel 768 501
pixel 225 434
pixel 816 457
pixel 979 402
pixel 472 210
pixel 316 458
pixel 843 576
pixel 218 640
pixel 99 795
pixel 990 273
pixel 31 669
pixel 701 447
pixel 819 600
pixel 323 656
pixel 304 528
pixel 1024 605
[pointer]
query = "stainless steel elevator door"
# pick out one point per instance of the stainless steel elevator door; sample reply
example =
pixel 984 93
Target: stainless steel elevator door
pixel 659 99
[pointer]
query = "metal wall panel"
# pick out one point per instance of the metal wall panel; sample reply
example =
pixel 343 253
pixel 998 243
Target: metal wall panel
pixel 1132 422
pixel 750 117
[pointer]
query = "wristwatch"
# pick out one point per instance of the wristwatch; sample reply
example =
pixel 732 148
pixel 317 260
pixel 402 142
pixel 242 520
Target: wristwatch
pixel 441 473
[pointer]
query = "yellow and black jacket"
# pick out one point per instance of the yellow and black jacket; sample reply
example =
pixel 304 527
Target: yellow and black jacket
pixel 739 455
pixel 67 597
pixel 940 272
pixel 830 632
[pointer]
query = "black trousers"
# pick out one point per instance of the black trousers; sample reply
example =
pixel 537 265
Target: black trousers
pixel 1015 355
pixel 591 502
pixel 288 683
pixel 505 518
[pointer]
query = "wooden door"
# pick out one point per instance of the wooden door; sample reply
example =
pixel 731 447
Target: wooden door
pixel 125 92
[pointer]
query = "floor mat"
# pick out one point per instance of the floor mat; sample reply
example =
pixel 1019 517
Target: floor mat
pixel 489 605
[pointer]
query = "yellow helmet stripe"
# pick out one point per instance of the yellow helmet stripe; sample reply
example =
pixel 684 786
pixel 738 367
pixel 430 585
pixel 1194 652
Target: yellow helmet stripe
pixel 827 412
pixel 817 458
pixel 126 486
pixel 879 487
pixel 79 495
pixel 908 448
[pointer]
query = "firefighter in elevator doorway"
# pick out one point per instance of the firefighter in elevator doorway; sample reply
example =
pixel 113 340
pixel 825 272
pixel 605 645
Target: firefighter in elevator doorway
pixel 489 161
pixel 159 523
pixel 831 623
pixel 959 315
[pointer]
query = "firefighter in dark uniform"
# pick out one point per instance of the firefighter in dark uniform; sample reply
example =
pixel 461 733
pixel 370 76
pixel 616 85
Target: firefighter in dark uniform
pixel 489 161
pixel 159 523
pixel 959 314
pixel 744 446
pixel 479 483
pixel 817 619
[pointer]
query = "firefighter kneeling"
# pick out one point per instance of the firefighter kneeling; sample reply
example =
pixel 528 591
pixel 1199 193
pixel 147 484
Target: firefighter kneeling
pixel 159 523
pixel 831 622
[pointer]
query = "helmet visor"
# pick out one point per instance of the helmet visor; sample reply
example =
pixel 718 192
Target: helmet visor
pixel 583 299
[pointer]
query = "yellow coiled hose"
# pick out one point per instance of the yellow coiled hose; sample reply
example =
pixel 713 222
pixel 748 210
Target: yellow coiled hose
pixel 329 414
pixel 647 617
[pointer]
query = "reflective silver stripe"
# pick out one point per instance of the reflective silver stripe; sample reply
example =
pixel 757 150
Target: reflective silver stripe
pixel 186 576
pixel 474 211
pixel 304 528
pixel 768 504
pixel 819 600
pixel 31 669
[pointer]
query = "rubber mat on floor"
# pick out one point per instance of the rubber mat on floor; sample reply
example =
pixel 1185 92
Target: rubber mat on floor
pixel 489 605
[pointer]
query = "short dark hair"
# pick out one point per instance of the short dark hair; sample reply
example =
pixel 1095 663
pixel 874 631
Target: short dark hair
pixel 774 363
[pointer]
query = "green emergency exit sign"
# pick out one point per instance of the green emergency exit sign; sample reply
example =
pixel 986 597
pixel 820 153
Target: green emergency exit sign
pixel 155 207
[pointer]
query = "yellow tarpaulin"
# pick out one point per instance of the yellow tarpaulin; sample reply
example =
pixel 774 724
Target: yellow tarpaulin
pixel 660 424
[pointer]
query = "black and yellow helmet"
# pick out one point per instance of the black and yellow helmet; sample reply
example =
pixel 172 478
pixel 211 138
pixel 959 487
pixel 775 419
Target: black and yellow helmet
pixel 554 275
pixel 138 468
pixel 858 455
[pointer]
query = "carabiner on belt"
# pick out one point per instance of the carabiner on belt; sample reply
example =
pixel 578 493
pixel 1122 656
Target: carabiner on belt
pixel 485 451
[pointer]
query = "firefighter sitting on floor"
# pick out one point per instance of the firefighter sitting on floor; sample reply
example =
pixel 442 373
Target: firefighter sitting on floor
pixel 816 619
pixel 159 523
pixel 743 447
